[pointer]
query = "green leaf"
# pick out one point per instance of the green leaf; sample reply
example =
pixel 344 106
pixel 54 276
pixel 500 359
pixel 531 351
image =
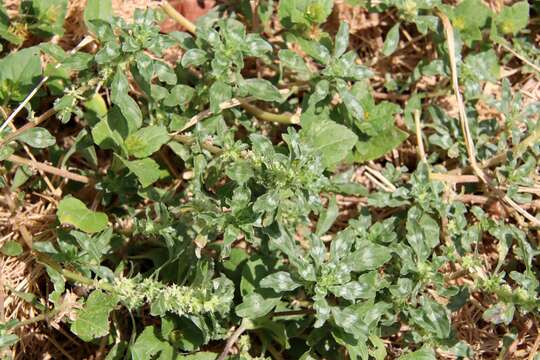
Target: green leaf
pixel 201 355
pixel 219 93
pixel 422 354
pixel 280 281
pixel 256 46
pixel 165 73
pixel 332 140
pixel 513 19
pixel 11 248
pixel 352 104
pixel 117 352
pixel 93 320
pixel 72 211
pixel 100 10
pixel 293 61
pixel 7 340
pixel 146 141
pixel 37 137
pixel 314 49
pixel 501 313
pixel 128 107
pixel 150 343
pixel 240 171
pixel 262 89
pixel 194 57
pixel 96 105
pixel 373 147
pixel 146 170
pixel 483 66
pixel 20 73
pixel 5 152
pixel 432 317
pixel 392 40
pixel 5 31
pixel 304 12
pixel 327 217
pixel 105 136
pixel 369 256
pixel 50 15
pixel 350 320
pixel 469 16
pixel 342 39
pixel 180 95
pixel 364 287
pixel 422 233
pixel 255 306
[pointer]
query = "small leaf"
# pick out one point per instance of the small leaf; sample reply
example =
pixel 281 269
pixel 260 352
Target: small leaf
pixel 72 211
pixel 255 306
pixel 469 16
pixel 293 61
pixel 256 46
pixel 194 57
pixel 280 281
pixel 342 39
pixel 513 18
pixel 369 256
pixel 150 343
pixel 165 73
pixel 146 170
pixel 97 10
pixel 96 105
pixel 316 50
pixel 146 141
pixel 432 317
pixel 327 217
pixel 105 136
pixel 373 147
pixel 332 140
pixel 262 89
pixel 128 107
pixel 501 313
pixel 352 104
pixel 363 288
pixel 422 354
pixel 219 93
pixel 37 137
pixel 240 171
pixel 180 95
pixel 20 72
pixel 8 340
pixel 392 40
pixel 93 320
pixel 483 66
pixel 11 248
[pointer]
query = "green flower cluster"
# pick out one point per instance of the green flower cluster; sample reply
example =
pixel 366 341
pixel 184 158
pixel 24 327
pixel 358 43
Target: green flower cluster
pixel 176 299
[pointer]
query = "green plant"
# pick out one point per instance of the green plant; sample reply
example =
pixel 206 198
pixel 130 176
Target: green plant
pixel 207 194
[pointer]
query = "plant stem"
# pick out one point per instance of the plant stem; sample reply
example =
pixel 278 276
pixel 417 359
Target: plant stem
pixel 232 340
pixel 72 275
pixel 189 140
pixel 268 116
pixel 38 318
pixel 49 169
pixel 176 16
pixel 46 115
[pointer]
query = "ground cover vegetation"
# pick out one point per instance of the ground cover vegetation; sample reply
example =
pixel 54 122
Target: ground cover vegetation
pixel 296 179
